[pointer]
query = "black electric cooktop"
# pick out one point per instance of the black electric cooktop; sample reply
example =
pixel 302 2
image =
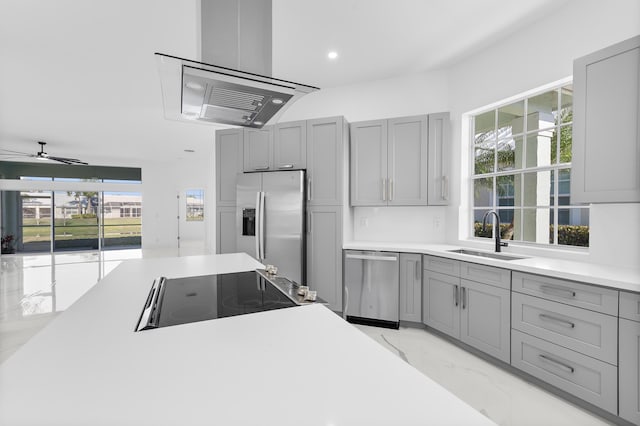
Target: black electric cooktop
pixel 183 300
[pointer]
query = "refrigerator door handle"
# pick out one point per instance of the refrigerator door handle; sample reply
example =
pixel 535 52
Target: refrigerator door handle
pixel 257 229
pixel 261 237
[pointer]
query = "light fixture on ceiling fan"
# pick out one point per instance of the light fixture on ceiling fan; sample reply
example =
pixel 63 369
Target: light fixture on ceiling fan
pixel 40 155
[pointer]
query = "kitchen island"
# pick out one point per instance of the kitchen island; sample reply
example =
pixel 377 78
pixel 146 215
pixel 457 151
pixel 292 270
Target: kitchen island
pixel 294 366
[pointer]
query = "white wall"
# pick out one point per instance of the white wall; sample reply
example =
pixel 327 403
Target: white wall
pixel 161 183
pixel 537 55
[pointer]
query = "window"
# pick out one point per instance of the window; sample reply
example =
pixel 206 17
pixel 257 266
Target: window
pixel 522 170
pixel 195 205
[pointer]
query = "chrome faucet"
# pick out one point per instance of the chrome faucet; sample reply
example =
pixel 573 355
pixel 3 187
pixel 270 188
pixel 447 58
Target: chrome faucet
pixel 496 229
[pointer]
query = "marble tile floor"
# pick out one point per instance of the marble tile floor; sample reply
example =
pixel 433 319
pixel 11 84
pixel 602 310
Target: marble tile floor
pixel 503 397
pixel 34 289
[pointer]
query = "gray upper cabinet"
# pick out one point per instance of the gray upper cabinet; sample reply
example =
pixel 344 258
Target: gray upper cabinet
pixel 407 161
pixel 229 145
pixel 606 129
pixel 629 371
pixel 438 170
pixel 258 145
pixel 324 253
pixel 400 161
pixel 325 160
pixel 369 163
pixel 410 287
pixel 290 146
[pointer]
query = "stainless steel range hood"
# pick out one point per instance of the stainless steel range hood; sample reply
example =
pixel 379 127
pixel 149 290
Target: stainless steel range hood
pixel 198 92
pixel 234 35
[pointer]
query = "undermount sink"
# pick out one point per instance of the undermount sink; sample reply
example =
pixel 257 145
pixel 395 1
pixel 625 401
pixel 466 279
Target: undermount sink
pixel 486 254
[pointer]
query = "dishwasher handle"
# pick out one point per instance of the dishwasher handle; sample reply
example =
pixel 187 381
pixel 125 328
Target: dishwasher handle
pixel 372 257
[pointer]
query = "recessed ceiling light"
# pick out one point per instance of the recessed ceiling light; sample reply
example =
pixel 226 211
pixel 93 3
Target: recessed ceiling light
pixel 258 123
pixel 189 150
pixel 194 86
pixel 332 55
pixel 277 101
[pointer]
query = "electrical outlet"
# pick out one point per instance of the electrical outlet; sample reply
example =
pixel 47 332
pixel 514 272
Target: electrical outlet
pixel 436 222
pixel 364 222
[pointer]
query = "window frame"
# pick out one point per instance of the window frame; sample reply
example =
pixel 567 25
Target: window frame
pixel 555 207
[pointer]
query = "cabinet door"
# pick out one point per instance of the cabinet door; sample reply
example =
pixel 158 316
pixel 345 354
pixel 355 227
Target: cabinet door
pixel 325 161
pixel 606 129
pixel 324 253
pixel 407 161
pixel 369 185
pixel 258 144
pixel 440 302
pixel 629 371
pixel 438 170
pixel 290 146
pixel 485 319
pixel 228 165
pixel 226 230
pixel 410 287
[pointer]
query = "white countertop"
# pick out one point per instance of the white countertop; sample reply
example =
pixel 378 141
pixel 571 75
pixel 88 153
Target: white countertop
pixel 294 366
pixel 615 277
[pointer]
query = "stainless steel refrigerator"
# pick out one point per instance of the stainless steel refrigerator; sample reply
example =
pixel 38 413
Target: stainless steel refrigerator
pixel 270 220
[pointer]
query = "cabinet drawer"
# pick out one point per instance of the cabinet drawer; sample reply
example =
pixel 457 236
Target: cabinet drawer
pixel 630 305
pixel 442 265
pixel 486 274
pixel 591 333
pixel 586 296
pixel 587 378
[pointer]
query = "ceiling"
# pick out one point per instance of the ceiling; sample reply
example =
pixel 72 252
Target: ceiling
pixel 80 74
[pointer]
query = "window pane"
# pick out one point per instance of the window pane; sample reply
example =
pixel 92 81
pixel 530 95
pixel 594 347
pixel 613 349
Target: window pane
pixel 511 119
pixel 484 127
pixel 566 104
pixel 483 192
pixel 542 111
pixel 484 161
pixel 507 222
pixel 510 153
pixel 535 225
pixel 195 205
pixel 536 190
pixel 565 144
pixel 573 227
pixel 477 224
pixel 506 190
pixel 539 149
pixel 564 187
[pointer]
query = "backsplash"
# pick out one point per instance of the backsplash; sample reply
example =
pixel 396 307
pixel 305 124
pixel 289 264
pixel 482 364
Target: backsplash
pixel 407 224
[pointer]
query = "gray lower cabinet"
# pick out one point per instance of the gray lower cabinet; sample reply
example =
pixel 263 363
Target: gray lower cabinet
pixel 324 253
pixel 226 229
pixel 606 90
pixel 485 318
pixel 410 287
pixel 629 370
pixel 229 145
pixel 478 314
pixel 587 378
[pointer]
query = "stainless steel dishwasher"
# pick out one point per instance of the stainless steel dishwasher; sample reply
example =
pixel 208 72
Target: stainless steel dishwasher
pixel 371 288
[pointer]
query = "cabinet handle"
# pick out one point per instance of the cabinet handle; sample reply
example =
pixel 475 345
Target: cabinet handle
pixel 455 295
pixel 391 189
pixel 445 188
pixel 308 189
pixel 346 300
pixel 464 297
pixel 550 318
pixel 286 166
pixel 309 226
pixel 557 291
pixel 417 269
pixel 384 189
pixel 261 168
pixel 557 363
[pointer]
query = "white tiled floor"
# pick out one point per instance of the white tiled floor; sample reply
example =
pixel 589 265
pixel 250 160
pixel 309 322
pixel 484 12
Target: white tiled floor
pixel 34 289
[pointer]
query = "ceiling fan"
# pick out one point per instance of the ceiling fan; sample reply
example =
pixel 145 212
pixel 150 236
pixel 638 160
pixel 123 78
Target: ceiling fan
pixel 40 155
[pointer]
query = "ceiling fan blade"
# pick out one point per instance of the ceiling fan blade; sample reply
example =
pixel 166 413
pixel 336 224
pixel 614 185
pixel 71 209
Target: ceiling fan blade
pixel 66 160
pixel 14 152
